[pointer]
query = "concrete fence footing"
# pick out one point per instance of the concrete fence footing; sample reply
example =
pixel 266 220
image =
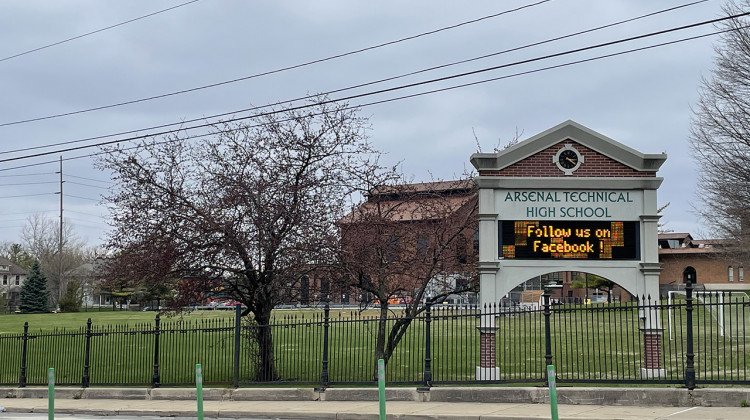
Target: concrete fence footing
pixel 644 397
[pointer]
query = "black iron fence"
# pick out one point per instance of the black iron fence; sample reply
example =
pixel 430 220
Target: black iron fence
pixel 689 340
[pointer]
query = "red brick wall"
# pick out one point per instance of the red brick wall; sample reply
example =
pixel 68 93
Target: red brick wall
pixel 542 165
pixel 487 350
pixel 709 268
pixel 652 350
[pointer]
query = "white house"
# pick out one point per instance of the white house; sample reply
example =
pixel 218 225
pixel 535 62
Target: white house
pixel 13 277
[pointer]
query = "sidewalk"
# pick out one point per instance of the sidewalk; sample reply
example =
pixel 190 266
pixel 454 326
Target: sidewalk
pixel 365 410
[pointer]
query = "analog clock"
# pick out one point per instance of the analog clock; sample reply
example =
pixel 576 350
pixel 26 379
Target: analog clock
pixel 568 159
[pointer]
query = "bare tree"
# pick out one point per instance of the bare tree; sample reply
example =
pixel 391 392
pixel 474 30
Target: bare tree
pixel 252 207
pixel 720 135
pixel 41 240
pixel 412 243
pixel 16 254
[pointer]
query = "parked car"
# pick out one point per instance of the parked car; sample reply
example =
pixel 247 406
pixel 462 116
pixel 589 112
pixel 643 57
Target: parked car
pixel 229 304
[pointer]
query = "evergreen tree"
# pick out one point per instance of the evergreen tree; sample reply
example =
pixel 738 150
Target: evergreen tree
pixel 72 300
pixel 34 294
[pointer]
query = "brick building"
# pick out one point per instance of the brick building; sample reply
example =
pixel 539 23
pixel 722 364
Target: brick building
pixel 715 269
pixel 394 236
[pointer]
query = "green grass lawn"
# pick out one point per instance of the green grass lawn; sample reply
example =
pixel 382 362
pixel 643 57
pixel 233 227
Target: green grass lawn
pixel 602 343
pixel 13 323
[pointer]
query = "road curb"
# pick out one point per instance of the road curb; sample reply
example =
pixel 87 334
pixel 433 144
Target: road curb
pixel 642 397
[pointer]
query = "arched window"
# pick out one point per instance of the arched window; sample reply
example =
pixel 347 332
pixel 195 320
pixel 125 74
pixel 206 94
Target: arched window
pixel 731 273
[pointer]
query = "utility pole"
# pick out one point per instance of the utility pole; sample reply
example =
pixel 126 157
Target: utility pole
pixel 60 245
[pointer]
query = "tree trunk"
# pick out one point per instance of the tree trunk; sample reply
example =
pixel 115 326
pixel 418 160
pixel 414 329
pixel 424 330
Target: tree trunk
pixel 381 338
pixel 266 368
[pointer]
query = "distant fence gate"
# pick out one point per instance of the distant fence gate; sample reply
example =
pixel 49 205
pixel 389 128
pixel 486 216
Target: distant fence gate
pixel 598 343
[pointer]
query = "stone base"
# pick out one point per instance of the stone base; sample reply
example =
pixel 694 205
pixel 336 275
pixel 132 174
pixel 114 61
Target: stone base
pixel 653 373
pixel 487 374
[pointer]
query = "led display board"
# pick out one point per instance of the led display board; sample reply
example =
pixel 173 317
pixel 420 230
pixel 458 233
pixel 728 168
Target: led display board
pixel 568 239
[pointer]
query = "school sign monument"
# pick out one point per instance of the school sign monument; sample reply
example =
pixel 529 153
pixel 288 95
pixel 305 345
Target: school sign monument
pixel 568 199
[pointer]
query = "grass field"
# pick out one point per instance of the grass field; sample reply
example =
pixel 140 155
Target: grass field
pixel 13 323
pixel 596 343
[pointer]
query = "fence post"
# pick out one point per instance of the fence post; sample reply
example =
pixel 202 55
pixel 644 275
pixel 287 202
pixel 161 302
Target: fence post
pixel 690 362
pixel 427 378
pixel 155 378
pixel 86 358
pixel 22 379
pixel 324 381
pixel 547 334
pixel 237 326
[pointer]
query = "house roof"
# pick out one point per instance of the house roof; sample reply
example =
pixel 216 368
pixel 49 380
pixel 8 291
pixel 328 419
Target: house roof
pixel 649 163
pixel 13 268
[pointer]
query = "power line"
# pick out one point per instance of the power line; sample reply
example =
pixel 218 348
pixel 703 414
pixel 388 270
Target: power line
pixel 85 185
pixel 31 165
pixel 28 212
pixel 266 73
pixel 401 87
pixel 86 221
pixel 416 94
pixel 94 32
pixel 27 183
pixel 84 213
pixel 87 179
pixel 81 198
pixel 34 174
pixel 350 87
pixel 28 195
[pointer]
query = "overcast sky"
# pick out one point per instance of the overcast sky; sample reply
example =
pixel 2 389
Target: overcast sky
pixel 641 99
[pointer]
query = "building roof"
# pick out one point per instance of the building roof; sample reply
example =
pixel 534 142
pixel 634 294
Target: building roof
pixel 673 235
pixel 688 245
pixel 461 186
pixel 647 163
pixel 13 268
pixel 415 202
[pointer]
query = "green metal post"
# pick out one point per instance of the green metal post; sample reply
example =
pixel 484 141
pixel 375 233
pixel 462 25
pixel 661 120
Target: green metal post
pixel 552 390
pixel 51 394
pixel 199 389
pixel 381 387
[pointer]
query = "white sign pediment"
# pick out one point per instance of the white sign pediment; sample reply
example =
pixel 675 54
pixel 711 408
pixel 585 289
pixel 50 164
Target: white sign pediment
pixel 568 204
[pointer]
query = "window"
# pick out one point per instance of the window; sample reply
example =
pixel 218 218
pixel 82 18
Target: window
pixel 461 249
pixel 731 273
pixel 422 243
pixel 304 290
pixel 741 273
pixel 325 288
pixel 18 279
pixel 5 279
pixel 392 253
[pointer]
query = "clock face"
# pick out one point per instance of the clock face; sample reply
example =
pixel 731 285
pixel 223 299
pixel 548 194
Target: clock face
pixel 568 159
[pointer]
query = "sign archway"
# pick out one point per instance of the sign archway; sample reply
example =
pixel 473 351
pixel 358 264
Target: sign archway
pixel 568 199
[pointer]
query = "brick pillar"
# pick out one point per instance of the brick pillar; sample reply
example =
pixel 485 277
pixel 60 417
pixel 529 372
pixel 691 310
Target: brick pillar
pixel 487 369
pixel 487 349
pixel 652 367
